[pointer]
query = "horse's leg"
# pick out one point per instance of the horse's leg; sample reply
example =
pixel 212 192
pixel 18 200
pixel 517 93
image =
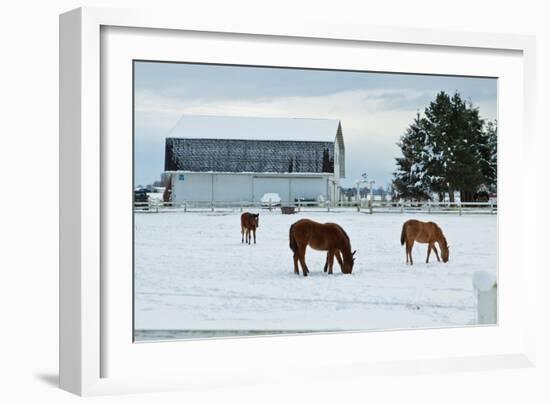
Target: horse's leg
pixel 338 255
pixel 242 234
pixel 302 257
pixel 330 261
pixel 436 254
pixel 296 271
pixel 429 250
pixel 248 236
pixel 409 251
pixel 254 229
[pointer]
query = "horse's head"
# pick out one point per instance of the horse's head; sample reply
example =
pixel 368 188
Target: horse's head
pixel 256 220
pixel 444 251
pixel 348 264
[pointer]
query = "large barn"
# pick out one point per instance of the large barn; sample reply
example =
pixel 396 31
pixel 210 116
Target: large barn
pixel 238 159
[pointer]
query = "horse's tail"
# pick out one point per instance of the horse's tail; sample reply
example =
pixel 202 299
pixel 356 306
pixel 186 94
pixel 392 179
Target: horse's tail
pixel 403 234
pixel 291 240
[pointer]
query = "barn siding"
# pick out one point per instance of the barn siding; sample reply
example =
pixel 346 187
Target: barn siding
pixel 224 155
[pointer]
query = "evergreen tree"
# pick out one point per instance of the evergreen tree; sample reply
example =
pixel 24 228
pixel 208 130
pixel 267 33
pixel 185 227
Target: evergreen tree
pixel 409 181
pixel 437 153
pixel 328 162
pixel 466 173
pixel 488 152
pixel 450 149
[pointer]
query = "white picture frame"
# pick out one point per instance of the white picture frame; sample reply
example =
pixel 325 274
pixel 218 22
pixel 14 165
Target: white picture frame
pixel 98 358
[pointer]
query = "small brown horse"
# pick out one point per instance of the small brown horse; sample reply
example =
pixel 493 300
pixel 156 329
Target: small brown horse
pixel 330 237
pixel 249 223
pixel 424 232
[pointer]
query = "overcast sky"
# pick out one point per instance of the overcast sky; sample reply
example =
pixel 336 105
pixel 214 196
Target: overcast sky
pixel 374 108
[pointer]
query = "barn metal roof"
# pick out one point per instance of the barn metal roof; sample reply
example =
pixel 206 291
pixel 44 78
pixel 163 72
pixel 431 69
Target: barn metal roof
pixel 238 155
pixel 255 128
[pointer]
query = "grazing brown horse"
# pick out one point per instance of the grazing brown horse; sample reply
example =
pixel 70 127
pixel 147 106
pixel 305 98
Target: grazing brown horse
pixel 249 223
pixel 330 237
pixel 424 232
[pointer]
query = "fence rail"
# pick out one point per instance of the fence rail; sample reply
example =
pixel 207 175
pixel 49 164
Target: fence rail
pixel 364 206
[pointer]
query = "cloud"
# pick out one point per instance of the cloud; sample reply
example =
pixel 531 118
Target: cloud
pixel 372 120
pixel 359 109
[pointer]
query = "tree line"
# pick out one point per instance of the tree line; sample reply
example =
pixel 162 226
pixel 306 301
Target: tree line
pixel 448 149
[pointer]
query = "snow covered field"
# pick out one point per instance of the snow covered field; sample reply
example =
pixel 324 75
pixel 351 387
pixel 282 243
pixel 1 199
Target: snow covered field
pixel 194 277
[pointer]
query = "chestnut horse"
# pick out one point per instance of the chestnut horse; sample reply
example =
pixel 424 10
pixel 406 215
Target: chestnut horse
pixel 249 223
pixel 424 232
pixel 330 237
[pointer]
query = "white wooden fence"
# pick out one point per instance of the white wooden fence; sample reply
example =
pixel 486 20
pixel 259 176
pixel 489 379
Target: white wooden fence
pixel 364 206
pixel 485 290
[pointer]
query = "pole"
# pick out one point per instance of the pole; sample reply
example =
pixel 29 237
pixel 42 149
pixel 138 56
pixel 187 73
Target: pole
pixel 371 201
pixel 357 197
pixel 212 191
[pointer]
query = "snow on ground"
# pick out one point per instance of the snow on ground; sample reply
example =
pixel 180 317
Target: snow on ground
pixel 193 273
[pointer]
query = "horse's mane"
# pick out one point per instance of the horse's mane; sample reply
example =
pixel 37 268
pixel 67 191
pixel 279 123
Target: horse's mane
pixel 441 233
pixel 345 233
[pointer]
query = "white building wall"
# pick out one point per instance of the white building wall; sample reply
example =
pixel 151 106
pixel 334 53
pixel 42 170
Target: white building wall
pixel 235 187
pixel 263 185
pixel 231 187
pixel 191 186
pixel 309 188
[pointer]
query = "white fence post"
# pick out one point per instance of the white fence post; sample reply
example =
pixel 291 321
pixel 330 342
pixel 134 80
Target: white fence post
pixel 485 289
